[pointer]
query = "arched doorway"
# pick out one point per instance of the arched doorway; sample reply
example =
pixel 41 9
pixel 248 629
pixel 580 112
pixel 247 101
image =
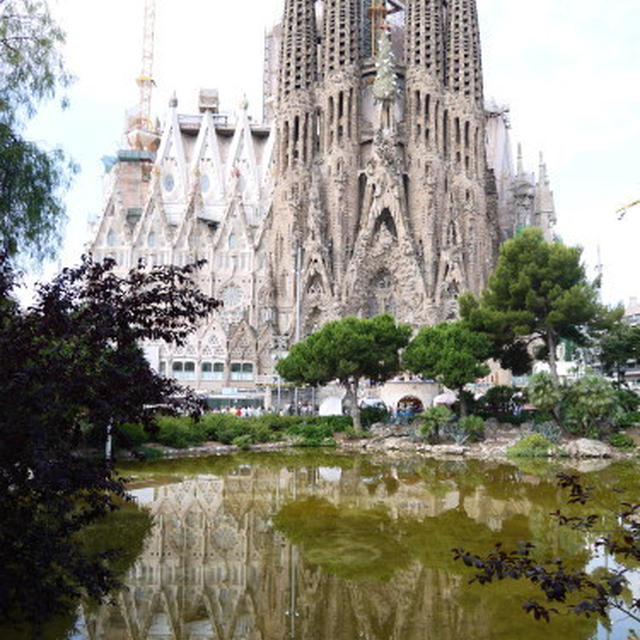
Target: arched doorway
pixel 410 405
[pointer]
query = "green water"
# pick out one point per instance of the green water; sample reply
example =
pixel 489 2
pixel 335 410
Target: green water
pixel 340 547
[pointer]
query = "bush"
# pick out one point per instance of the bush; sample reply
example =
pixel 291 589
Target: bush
pixel 629 400
pixel 316 434
pixel 243 442
pixel 473 426
pixel 371 415
pixel 542 392
pixel 180 432
pixel 503 403
pixel 629 419
pixel 131 434
pixel 350 434
pixel 550 430
pixel 622 441
pixel 434 419
pixel 591 407
pixel 452 431
pixel 335 423
pixel 534 445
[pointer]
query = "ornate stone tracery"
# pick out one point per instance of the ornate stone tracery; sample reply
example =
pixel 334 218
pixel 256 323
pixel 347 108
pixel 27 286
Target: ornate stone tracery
pixel 374 162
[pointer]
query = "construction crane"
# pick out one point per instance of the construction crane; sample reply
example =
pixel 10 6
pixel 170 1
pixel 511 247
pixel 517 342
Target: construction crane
pixel 141 132
pixel 623 210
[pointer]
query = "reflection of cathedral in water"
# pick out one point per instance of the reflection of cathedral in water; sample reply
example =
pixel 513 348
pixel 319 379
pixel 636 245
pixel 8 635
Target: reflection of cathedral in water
pixel 215 566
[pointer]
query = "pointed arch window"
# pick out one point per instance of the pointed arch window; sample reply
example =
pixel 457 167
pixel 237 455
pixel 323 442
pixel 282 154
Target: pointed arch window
pixel 112 238
pixel 151 240
pixel 385 219
pixel 168 182
pixel 315 286
pixel 233 241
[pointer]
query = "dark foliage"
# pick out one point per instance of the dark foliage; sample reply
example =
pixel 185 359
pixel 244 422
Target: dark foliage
pixel 503 403
pixel 577 591
pixel 71 364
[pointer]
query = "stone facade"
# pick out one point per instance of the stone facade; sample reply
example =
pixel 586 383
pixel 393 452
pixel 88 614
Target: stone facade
pixel 379 182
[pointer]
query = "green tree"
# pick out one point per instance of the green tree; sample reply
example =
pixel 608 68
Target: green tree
pixel 451 353
pixel 618 347
pixel 538 293
pixel 348 350
pixel 31 178
pixel 72 366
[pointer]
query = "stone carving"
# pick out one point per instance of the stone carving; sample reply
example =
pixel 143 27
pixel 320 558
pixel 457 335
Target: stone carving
pixel 380 158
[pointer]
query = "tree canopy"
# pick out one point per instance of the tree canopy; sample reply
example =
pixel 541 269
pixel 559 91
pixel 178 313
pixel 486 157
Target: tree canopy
pixel 451 353
pixel 72 366
pixel 538 292
pixel 347 350
pixel 618 347
pixel 31 178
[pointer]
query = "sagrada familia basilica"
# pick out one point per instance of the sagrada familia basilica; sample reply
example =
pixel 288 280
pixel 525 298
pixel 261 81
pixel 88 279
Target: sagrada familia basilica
pixel 378 181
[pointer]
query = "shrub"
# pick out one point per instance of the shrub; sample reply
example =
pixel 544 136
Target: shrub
pixel 180 432
pixel 550 430
pixel 243 442
pixel 591 407
pixel 622 441
pixel 503 403
pixel 434 419
pixel 542 392
pixel 371 415
pixel 452 431
pixel 629 419
pixel 473 426
pixel 534 445
pixel 334 423
pixel 350 434
pixel 314 434
pixel 131 434
pixel 629 400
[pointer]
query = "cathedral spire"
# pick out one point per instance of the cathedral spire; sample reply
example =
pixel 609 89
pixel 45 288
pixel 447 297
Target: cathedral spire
pixel 341 39
pixel 464 63
pixel 520 166
pixel 425 49
pixel 298 60
pixel 544 210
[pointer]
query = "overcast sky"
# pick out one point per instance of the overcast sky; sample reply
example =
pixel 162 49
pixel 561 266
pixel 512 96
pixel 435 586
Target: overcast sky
pixel 569 69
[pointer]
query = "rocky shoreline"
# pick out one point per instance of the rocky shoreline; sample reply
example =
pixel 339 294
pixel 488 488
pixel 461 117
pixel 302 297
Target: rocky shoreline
pixel 383 439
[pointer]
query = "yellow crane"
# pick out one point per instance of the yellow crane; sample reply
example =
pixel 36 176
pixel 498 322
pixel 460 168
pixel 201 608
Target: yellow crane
pixel 623 210
pixel 141 132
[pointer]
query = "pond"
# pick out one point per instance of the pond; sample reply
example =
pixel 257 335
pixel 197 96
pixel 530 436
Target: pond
pixel 337 547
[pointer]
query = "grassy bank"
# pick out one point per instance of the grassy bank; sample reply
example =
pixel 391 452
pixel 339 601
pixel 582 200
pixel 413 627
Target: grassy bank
pixel 181 432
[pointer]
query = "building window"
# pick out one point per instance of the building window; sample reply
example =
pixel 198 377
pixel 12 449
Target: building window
pixel 212 370
pixel 168 183
pixel 241 371
pixel 233 241
pixel 151 240
pixel 163 368
pixel 184 370
pixel 112 239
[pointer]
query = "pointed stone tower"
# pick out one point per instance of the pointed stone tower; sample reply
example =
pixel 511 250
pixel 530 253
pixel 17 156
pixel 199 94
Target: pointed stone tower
pixel 395 133
pixel 378 183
